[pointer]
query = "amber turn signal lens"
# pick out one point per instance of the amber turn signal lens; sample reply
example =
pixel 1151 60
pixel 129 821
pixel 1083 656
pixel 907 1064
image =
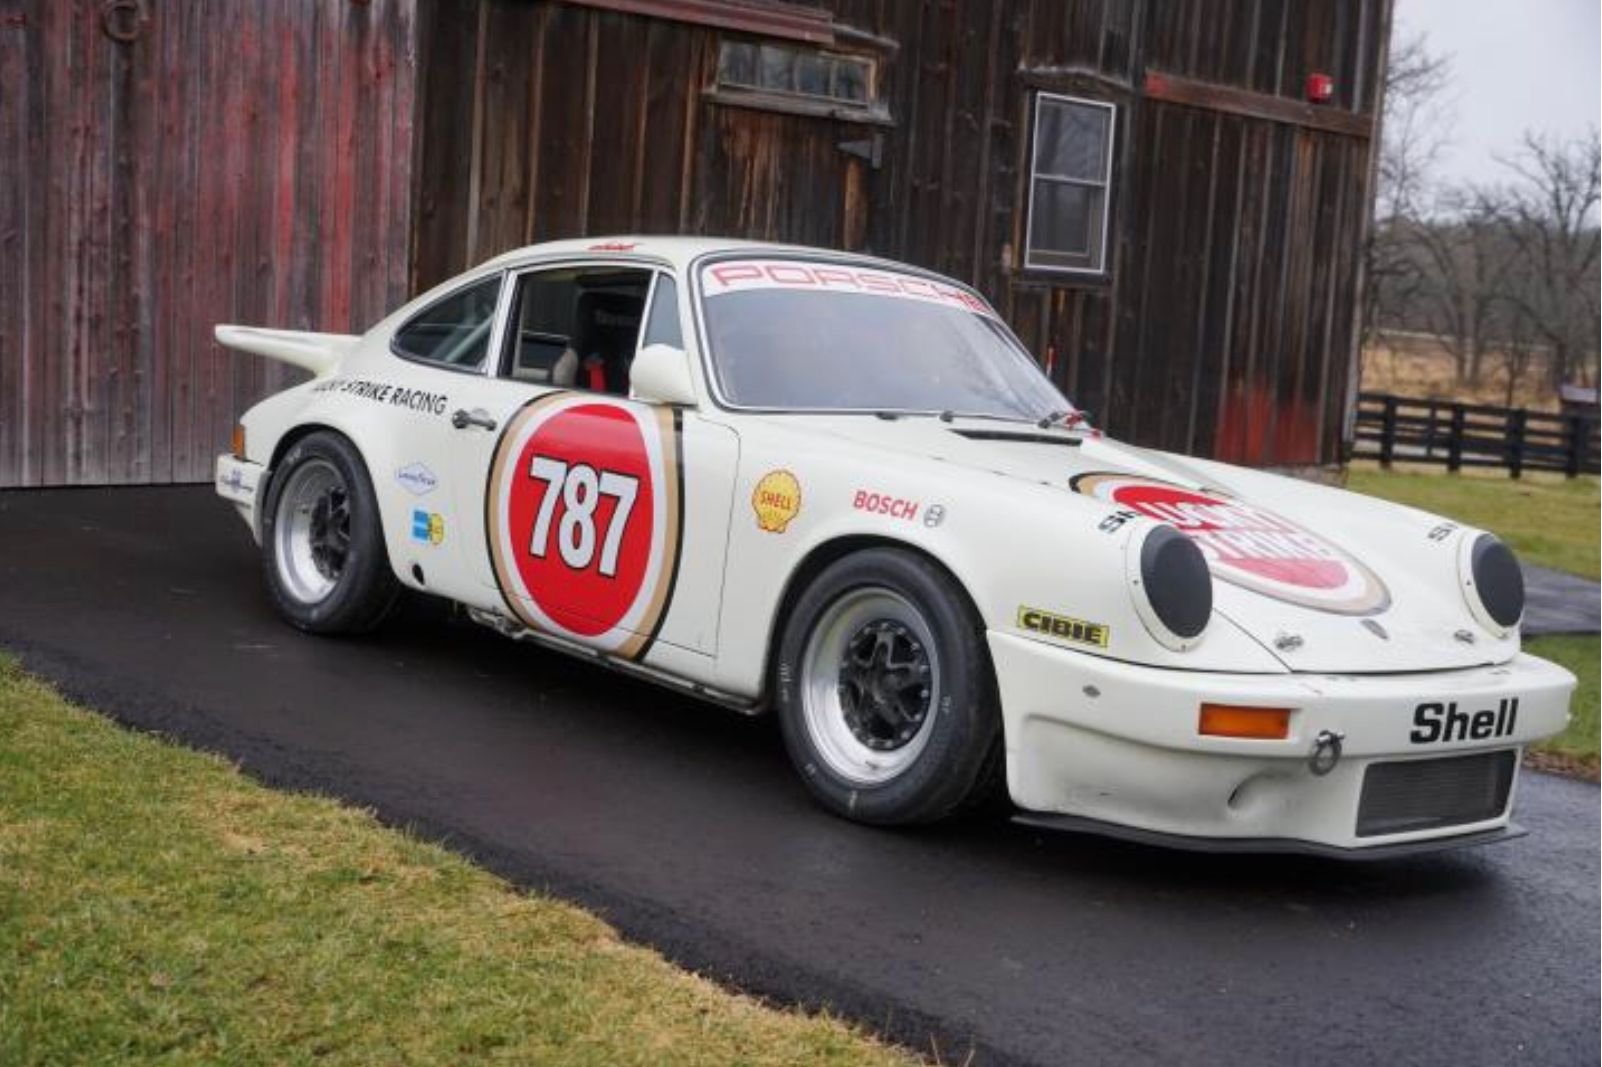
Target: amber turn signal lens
pixel 239 440
pixel 1260 724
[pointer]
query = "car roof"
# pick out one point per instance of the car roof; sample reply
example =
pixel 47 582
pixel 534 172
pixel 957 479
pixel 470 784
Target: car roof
pixel 681 251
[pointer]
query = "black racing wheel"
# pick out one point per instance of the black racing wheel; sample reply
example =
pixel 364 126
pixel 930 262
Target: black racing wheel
pixel 322 543
pixel 885 691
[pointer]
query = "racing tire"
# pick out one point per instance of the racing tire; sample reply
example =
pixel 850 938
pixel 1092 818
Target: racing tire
pixel 322 541
pixel 885 692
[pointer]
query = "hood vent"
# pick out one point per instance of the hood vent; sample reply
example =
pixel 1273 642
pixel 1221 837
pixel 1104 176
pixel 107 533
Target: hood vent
pixel 1018 438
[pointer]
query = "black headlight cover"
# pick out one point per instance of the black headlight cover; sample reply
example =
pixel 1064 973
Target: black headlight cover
pixel 1177 583
pixel 1498 581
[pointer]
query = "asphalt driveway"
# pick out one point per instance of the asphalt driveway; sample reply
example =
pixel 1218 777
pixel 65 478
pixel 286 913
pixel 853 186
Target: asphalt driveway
pixel 684 826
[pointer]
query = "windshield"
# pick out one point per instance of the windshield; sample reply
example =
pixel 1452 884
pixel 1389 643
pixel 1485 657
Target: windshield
pixel 789 334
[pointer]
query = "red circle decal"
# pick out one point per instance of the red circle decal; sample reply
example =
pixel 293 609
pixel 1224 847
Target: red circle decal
pixel 1249 546
pixel 583 518
pixel 581 502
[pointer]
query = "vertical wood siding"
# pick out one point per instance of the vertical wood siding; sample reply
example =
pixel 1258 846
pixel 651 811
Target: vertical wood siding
pixel 232 161
pixel 256 162
pixel 1223 325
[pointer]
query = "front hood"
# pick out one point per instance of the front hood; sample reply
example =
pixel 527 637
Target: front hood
pixel 1328 581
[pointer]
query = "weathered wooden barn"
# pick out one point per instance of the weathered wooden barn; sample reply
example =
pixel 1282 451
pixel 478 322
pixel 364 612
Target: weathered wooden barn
pixel 1165 197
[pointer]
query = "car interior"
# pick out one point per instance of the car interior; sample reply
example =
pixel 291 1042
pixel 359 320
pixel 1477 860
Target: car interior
pixel 577 328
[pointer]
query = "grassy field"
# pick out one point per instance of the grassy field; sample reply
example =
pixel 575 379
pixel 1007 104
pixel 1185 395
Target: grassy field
pixel 1549 521
pixel 155 905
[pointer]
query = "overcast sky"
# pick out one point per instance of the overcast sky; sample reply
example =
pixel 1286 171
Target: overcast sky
pixel 1516 65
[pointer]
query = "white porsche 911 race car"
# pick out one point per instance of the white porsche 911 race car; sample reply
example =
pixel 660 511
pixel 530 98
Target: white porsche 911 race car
pixel 839 488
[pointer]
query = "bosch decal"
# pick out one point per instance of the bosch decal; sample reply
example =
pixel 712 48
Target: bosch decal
pixel 776 500
pixel 885 504
pixel 584 519
pixel 1063 628
pixel 1248 546
pixel 1442 721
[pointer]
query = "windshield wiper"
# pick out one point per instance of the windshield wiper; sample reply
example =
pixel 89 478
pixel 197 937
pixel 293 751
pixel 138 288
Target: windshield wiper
pixel 1068 417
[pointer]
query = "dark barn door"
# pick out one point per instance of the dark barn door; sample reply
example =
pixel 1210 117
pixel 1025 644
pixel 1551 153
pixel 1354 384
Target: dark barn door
pixel 544 121
pixel 780 177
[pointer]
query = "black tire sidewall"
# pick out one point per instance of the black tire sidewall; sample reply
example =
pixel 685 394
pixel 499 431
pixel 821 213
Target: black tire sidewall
pixel 952 769
pixel 367 587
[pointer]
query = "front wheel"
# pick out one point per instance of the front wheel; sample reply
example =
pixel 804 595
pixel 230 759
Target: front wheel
pixel 322 541
pixel 885 693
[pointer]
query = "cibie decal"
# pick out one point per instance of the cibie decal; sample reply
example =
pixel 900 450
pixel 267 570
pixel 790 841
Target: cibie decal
pixel 776 500
pixel 583 519
pixel 417 479
pixel 1061 627
pixel 428 527
pixel 1248 546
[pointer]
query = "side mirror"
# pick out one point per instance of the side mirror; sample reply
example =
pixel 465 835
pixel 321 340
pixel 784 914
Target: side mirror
pixel 661 374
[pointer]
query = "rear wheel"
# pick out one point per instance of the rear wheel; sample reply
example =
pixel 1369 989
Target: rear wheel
pixel 322 542
pixel 885 693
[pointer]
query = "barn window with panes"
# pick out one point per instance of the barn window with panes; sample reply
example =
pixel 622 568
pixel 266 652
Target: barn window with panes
pixel 839 81
pixel 1069 177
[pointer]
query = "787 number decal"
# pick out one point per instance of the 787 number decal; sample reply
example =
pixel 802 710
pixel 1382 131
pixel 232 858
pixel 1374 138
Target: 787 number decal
pixel 581 487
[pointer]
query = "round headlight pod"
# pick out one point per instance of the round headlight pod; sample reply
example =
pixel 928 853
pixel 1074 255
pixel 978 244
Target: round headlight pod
pixel 1493 583
pixel 1171 586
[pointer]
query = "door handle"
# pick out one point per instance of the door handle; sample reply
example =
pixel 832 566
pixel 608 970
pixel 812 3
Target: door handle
pixel 462 419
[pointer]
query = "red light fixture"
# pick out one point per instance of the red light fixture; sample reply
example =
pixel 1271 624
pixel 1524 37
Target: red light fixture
pixel 1320 88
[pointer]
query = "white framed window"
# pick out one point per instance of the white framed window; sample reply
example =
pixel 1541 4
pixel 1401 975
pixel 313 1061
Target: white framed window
pixel 1070 181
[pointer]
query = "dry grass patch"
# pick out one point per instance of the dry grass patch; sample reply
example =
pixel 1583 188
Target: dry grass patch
pixel 157 905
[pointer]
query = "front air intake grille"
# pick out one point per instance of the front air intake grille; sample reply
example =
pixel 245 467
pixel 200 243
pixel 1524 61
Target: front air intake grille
pixel 1428 794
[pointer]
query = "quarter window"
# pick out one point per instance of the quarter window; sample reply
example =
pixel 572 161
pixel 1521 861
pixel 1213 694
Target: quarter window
pixel 1070 172
pixel 455 331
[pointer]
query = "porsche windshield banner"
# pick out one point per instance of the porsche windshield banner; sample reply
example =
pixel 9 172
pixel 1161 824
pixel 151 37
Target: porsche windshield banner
pixel 1249 547
pixel 744 275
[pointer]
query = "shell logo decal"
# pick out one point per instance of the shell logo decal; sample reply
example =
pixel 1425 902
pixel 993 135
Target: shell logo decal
pixel 776 500
pixel 1248 546
pixel 583 519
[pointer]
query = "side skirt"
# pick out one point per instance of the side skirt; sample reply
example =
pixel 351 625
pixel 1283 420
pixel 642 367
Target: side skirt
pixel 517 631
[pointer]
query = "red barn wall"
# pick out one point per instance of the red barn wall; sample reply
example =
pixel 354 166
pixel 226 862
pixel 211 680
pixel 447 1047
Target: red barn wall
pixel 168 166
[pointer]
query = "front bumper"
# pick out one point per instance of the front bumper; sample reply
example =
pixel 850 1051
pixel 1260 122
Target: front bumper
pixel 1111 743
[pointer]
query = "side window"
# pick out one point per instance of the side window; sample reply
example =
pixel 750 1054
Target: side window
pixel 576 327
pixel 543 314
pixel 455 331
pixel 662 325
pixel 1069 175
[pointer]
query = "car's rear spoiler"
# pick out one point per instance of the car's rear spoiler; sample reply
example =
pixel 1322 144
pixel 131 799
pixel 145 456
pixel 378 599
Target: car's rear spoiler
pixel 319 353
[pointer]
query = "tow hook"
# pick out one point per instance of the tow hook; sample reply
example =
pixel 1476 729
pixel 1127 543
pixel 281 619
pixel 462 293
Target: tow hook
pixel 1326 752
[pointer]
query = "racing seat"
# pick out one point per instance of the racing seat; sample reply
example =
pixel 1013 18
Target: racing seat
pixel 606 326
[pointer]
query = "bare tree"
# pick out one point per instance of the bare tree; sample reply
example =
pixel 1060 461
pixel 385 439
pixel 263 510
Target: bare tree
pixel 1415 126
pixel 1547 219
pixel 1462 270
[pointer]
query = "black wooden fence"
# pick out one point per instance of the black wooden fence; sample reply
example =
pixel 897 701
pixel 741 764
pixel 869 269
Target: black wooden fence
pixel 1403 430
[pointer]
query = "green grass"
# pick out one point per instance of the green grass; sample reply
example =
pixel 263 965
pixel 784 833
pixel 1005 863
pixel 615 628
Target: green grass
pixel 157 905
pixel 1548 521
pixel 1579 653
